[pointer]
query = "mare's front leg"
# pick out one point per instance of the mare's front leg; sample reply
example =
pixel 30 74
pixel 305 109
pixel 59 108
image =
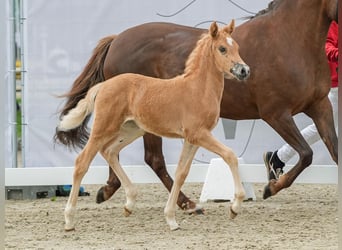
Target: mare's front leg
pixel 182 170
pixel 81 167
pixel 323 116
pixel 155 159
pixel 288 130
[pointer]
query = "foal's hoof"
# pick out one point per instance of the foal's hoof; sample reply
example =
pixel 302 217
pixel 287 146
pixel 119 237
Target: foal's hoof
pixel 69 228
pixel 232 213
pixel 127 212
pixel 174 226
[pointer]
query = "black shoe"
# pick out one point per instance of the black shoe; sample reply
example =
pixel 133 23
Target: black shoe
pixel 273 171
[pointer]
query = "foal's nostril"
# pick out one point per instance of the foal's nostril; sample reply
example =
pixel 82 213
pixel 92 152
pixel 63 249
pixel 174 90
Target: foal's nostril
pixel 241 71
pixel 245 71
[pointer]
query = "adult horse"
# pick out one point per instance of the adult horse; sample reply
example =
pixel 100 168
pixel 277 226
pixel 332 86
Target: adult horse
pixel 283 45
pixel 186 106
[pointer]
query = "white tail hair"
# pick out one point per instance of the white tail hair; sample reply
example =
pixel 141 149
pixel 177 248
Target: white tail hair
pixel 84 107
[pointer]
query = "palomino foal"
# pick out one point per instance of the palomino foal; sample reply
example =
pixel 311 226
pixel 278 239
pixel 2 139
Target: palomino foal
pixel 186 106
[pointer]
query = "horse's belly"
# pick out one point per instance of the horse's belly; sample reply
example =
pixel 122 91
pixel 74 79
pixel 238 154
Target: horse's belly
pixel 161 127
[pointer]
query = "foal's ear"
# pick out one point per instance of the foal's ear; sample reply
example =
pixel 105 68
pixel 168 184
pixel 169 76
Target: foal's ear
pixel 230 27
pixel 213 29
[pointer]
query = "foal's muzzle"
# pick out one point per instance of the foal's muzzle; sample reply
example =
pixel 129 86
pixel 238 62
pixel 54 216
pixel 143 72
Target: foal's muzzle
pixel 240 71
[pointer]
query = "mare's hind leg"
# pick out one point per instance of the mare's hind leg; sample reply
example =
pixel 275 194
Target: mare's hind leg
pixel 206 140
pixel 182 171
pixel 81 167
pixel 154 158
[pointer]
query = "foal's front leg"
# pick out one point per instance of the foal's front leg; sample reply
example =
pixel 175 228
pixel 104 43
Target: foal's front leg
pixel 182 171
pixel 207 141
pixel 155 159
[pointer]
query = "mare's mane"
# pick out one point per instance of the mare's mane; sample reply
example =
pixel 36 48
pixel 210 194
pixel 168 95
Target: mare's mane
pixel 271 6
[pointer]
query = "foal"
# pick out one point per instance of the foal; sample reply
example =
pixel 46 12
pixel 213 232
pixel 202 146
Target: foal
pixel 186 106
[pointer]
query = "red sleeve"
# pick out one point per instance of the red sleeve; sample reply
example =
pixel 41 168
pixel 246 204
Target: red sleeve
pixel 331 46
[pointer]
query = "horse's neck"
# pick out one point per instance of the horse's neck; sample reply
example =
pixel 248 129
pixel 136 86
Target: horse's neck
pixel 202 74
pixel 305 21
pixel 205 78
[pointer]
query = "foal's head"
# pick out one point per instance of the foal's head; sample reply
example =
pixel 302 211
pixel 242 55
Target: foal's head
pixel 226 52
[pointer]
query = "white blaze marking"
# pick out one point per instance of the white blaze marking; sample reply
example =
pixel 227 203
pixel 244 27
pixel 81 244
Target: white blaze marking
pixel 230 41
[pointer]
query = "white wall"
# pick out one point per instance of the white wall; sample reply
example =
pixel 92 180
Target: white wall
pixel 60 36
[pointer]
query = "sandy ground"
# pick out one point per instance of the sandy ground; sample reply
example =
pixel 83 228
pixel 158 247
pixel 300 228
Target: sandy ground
pixel 301 217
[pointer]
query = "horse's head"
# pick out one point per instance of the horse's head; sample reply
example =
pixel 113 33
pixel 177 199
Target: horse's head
pixel 226 52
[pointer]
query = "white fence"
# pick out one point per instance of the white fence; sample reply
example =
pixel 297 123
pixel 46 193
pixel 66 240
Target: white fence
pixel 250 173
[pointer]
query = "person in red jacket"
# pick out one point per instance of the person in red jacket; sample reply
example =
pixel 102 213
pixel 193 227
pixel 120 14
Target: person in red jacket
pixel 275 161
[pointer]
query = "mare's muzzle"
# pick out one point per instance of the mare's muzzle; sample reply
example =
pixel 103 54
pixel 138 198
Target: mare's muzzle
pixel 240 71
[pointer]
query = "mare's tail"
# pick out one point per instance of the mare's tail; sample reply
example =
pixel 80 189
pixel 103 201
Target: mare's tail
pixel 76 116
pixel 91 75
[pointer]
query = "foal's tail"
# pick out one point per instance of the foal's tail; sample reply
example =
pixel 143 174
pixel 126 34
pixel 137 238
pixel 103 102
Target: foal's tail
pixel 76 116
pixel 91 75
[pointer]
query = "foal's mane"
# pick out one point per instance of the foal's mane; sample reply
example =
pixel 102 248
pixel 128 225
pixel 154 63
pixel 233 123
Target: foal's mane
pixel 193 61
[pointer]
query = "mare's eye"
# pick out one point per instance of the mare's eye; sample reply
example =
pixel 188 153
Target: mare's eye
pixel 222 49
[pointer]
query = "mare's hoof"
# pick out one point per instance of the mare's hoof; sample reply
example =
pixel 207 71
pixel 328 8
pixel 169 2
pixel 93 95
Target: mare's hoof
pixel 198 210
pixel 100 196
pixel 267 192
pixel 127 212
pixel 232 213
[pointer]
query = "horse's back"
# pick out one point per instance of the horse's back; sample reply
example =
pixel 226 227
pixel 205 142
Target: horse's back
pixel 152 49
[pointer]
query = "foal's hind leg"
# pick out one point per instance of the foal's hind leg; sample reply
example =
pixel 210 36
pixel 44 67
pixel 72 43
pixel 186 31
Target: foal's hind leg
pixel 111 155
pixel 127 134
pixel 155 159
pixel 81 167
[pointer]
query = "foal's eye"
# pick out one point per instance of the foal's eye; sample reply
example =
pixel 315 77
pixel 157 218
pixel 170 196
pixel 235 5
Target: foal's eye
pixel 222 49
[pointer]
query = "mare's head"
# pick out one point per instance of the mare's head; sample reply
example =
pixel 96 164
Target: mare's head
pixel 226 52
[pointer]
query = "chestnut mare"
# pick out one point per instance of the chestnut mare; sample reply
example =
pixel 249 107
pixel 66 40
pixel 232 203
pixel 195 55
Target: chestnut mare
pixel 187 106
pixel 283 45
